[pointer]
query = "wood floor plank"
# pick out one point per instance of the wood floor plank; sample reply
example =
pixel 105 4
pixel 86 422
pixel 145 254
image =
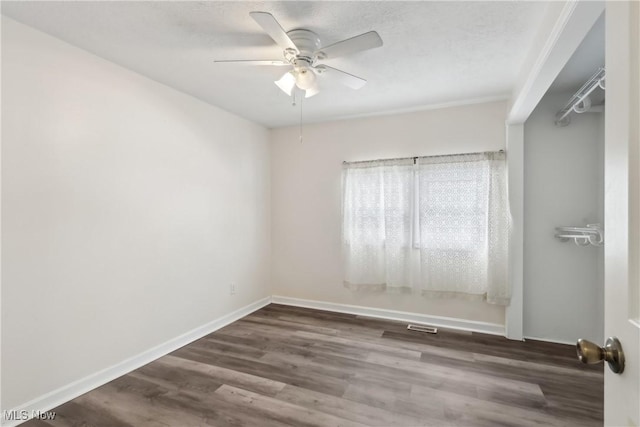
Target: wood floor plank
pixel 82 414
pixel 344 328
pixel 369 344
pixel 291 414
pixel 266 370
pixel 284 325
pixel 538 367
pixel 181 379
pixel 373 393
pixel 344 408
pixel 287 343
pixel 296 363
pixel 290 366
pixel 513 386
pixel 42 423
pixel 216 410
pixel 563 355
pixel 138 403
pixel 226 376
pixel 261 342
pixel 459 407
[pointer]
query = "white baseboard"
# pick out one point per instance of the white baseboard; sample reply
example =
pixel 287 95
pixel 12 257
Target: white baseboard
pixel 402 316
pixel 71 391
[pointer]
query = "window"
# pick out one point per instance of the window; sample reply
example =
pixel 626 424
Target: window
pixel 435 225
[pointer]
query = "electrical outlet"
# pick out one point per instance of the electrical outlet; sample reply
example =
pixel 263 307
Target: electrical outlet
pixel 232 289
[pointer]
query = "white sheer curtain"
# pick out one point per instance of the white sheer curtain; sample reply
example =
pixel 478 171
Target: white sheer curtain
pixel 438 226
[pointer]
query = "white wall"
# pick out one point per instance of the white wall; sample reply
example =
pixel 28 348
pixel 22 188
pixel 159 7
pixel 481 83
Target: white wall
pixel 564 185
pixel 127 210
pixel 306 197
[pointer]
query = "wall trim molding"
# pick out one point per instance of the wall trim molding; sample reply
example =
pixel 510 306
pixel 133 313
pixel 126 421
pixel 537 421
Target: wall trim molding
pixel 70 391
pixel 514 313
pixel 403 316
pixel 467 102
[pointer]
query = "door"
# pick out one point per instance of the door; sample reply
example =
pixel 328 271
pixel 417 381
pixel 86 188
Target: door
pixel 622 213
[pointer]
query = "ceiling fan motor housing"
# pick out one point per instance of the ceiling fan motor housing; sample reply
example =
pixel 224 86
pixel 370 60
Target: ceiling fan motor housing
pixel 307 43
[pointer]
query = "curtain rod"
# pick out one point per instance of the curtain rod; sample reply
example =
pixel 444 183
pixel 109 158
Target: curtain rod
pixel 423 157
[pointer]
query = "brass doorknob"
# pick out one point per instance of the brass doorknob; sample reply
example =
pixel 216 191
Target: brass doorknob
pixel 589 352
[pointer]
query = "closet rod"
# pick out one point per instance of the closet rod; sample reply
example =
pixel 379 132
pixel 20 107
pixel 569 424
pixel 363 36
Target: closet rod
pixel 597 80
pixel 423 157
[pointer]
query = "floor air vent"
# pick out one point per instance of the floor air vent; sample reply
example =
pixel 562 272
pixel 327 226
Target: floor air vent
pixel 420 328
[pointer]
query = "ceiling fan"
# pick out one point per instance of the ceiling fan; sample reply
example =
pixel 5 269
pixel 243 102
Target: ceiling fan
pixel 302 50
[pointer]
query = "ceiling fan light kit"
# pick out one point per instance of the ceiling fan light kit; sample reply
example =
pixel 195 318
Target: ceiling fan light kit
pixel 302 49
pixel 286 83
pixel 305 79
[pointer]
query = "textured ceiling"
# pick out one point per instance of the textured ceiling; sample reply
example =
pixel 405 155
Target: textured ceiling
pixel 433 53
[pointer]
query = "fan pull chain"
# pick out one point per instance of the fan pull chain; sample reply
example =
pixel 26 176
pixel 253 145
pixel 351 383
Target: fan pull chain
pixel 300 128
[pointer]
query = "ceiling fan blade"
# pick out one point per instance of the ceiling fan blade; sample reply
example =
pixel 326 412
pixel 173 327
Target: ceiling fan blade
pixel 275 62
pixel 274 29
pixel 355 44
pixel 349 80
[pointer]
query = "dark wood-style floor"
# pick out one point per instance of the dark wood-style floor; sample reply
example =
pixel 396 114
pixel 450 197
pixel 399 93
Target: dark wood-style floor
pixel 300 367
